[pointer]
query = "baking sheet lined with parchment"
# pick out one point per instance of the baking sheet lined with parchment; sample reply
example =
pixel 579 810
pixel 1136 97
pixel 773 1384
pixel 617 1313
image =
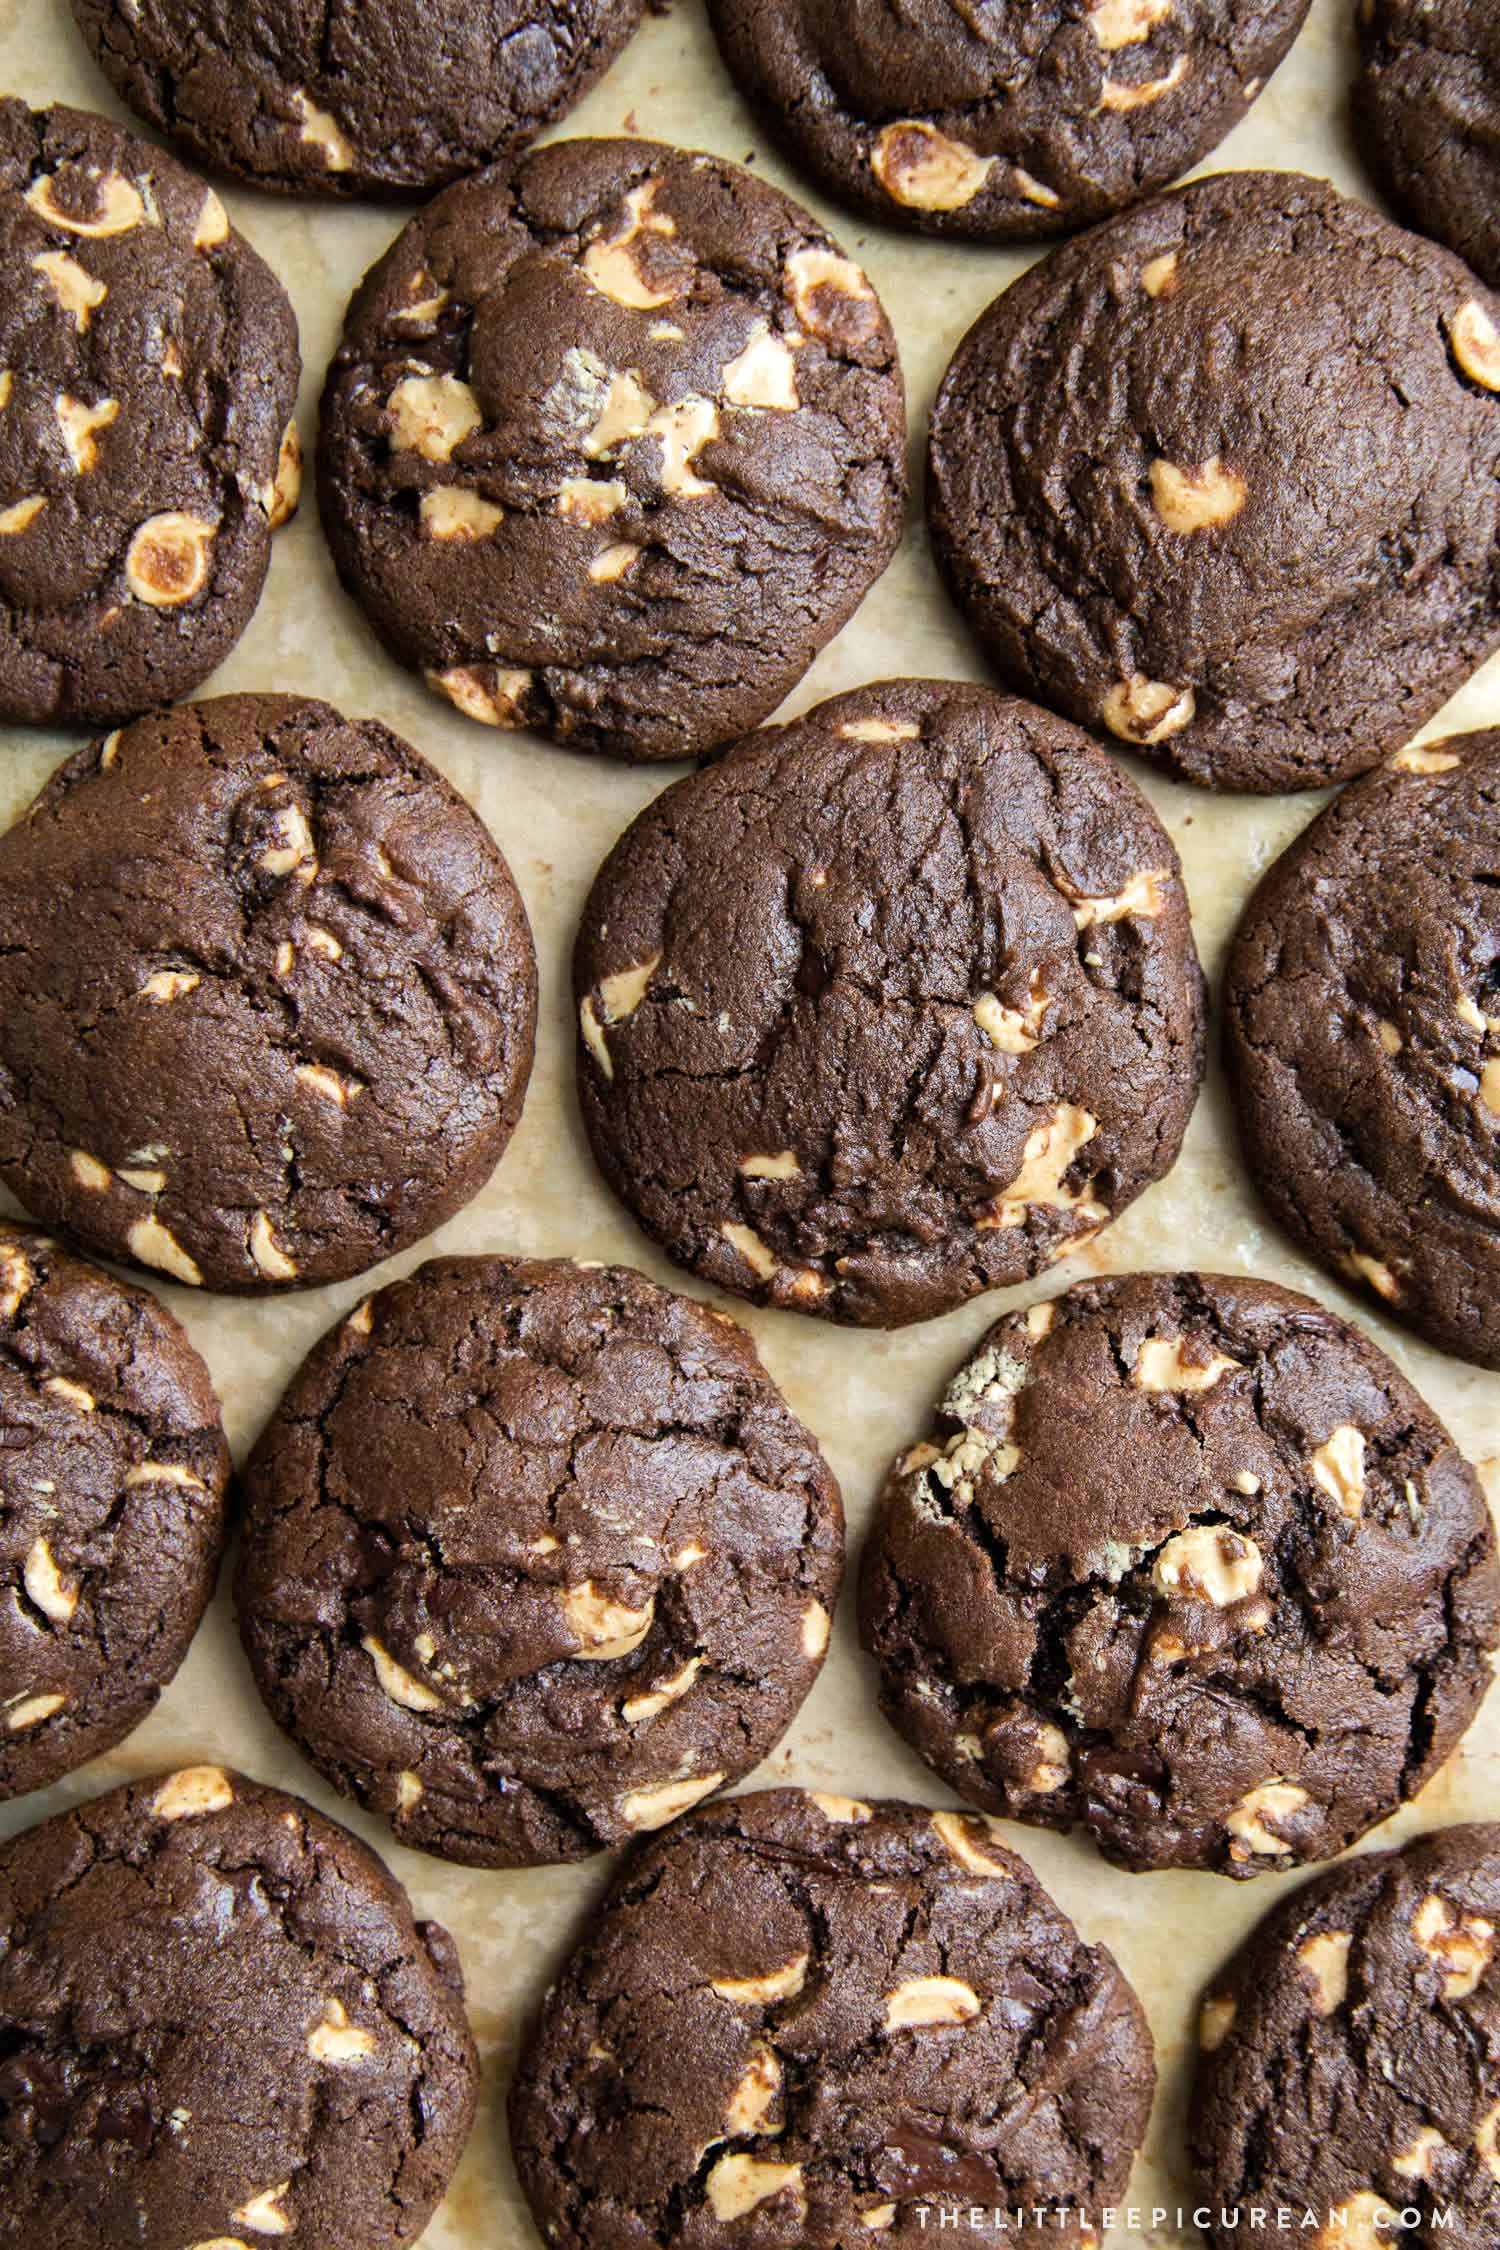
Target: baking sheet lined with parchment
pixel 555 814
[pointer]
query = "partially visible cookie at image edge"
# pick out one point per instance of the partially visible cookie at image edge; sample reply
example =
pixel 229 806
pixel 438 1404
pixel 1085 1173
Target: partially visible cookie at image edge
pixel 148 375
pixel 1427 112
pixel 1001 125
pixel 114 1479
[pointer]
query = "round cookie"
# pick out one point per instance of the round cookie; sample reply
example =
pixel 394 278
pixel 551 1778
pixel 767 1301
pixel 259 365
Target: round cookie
pixel 613 443
pixel 267 996
pixel 1427 111
pixel 889 1006
pixel 366 97
pixel 148 372
pixel 1185 1561
pixel 1221 480
pixel 806 2020
pixel 1345 2059
pixel 1006 123
pixel 114 1477
pixel 535 1557
pixel 1362 1035
pixel 221 2025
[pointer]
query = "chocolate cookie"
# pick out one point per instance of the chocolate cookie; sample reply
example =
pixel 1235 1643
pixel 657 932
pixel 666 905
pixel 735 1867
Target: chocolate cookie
pixel 148 372
pixel 356 98
pixel 1221 480
pixel 113 1483
pixel 1362 1033
pixel 1000 123
pixel 535 1556
pixel 613 444
pixel 219 2023
pixel 267 996
pixel 1346 2059
pixel 1187 1562
pixel 1427 111
pixel 889 1006
pixel 834 2021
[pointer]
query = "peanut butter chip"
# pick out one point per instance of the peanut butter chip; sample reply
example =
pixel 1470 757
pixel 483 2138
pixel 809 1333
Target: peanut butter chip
pixel 280 499
pixel 154 1245
pixel 782 1166
pixel 1460 1945
pixel 1159 275
pixel 21 514
pixel 1119 95
pixel 653 1808
pixel 77 291
pixel 1196 499
pixel 591 500
pixel 1163 1363
pixel 1014 1031
pixel 1326 1960
pixel 930 2000
pixel 1049 1152
pixel 26 1711
pixel 80 424
pixel 1475 344
pixel 1338 1468
pixel 396 1682
pixel 88 1171
pixel 757 1254
pixel 452 512
pixel 777 1984
pixel 1416 2161
pixel 649 1705
pixel 169 984
pixel 1365 2222
pixel 763 375
pixel 1142 897
pixel 604 1627
pixel 610 264
pixel 815 1629
pixel 753 2104
pixel 1147 711
pixel 213 223
pixel 338 2041
pixel 739 2184
pixel 1248 1824
pixel 1376 1272
pixel 267 1252
pixel 168 559
pixel 844 1812
pixel 1421 758
pixel 115 205
pixel 880 730
pixel 432 415
pixel 45 1585
pixel 493 694
pixel 1124 23
pixel 324 134
pixel 814 273
pixel 192 1793
pixel 1032 190
pixel 262 2213
pixel 928 170
pixel 1210 1563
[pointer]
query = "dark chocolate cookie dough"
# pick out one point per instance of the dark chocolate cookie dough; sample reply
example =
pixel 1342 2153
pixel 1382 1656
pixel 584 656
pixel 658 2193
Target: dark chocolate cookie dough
pixel 535 1557
pixel 1346 2059
pixel 995 121
pixel 220 2025
pixel 889 1006
pixel 1185 1561
pixel 1221 480
pixel 1427 110
pixel 148 372
pixel 804 2020
pixel 267 996
pixel 613 444
pixel 113 1475
pixel 1362 1030
pixel 353 97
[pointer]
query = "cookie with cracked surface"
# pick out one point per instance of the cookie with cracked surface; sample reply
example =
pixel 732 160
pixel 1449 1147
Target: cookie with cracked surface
pixel 1187 1563
pixel 613 443
pixel 366 97
pixel 114 1477
pixel 828 2019
pixel 267 996
pixel 535 1556
pixel 1000 123
pixel 1343 2063
pixel 1221 481
pixel 1427 112
pixel 148 373
pixel 889 1006
pixel 1362 1035
pixel 219 2023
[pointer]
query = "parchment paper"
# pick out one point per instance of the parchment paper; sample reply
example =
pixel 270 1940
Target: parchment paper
pixel 555 814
